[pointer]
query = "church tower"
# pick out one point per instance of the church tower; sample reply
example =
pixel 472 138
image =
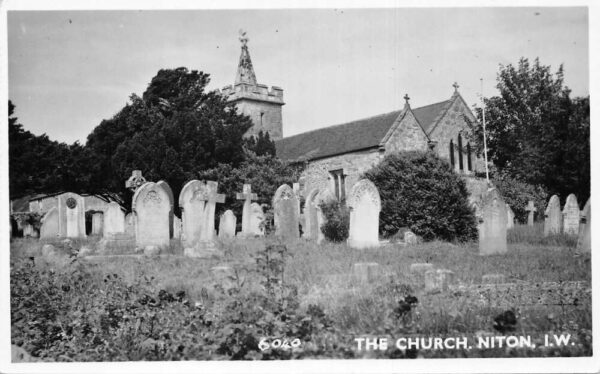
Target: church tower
pixel 257 101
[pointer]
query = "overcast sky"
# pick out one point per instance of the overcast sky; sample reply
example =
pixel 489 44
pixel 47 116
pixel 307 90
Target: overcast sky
pixel 68 70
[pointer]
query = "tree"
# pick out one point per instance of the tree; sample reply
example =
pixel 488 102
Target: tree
pixel 261 144
pixel 420 191
pixel 535 132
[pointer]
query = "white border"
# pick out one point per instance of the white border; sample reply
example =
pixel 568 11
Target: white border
pixel 471 365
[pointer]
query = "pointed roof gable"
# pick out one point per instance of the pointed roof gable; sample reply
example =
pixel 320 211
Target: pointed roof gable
pixel 352 136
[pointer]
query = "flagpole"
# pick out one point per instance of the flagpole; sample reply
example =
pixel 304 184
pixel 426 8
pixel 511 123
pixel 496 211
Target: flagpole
pixel 487 172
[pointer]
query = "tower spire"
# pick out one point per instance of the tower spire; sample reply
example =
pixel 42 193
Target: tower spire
pixel 245 72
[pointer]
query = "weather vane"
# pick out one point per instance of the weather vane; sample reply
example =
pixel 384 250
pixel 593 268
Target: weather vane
pixel 243 37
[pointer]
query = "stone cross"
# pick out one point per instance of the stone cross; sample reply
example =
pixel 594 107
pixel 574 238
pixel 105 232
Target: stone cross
pixel 531 209
pixel 211 198
pixel 455 85
pixel 135 180
pixel 248 197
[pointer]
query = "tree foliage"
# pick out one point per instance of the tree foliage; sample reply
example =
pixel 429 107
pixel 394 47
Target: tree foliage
pixel 536 132
pixel 420 191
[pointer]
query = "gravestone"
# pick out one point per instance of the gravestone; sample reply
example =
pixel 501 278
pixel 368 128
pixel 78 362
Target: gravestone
pixel 311 224
pixel 227 224
pixel 211 198
pixel 49 228
pixel 510 217
pixel 176 227
pixel 438 280
pixel 571 216
pixel 192 212
pixel 204 198
pixel 114 220
pixel 410 238
pixel 531 210
pixel 285 212
pixel 365 205
pixel 584 239
pixel 151 208
pixel 324 196
pixel 71 212
pixel 492 236
pixel 135 181
pixel 553 217
pixel 256 219
pixel 29 231
pixel 97 223
pixel 366 272
pixel 130 225
pixel 169 192
pixel 247 196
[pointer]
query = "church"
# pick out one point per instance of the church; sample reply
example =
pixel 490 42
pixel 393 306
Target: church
pixel 334 157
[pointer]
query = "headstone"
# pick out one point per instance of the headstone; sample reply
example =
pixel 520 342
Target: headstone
pixel 286 214
pixel 571 216
pixel 492 238
pixel 169 192
pixel 151 208
pixel 324 196
pixel 510 217
pixel 192 212
pixel 311 224
pixel 130 224
pixel 211 198
pixel 256 219
pixel 71 212
pixel 531 209
pixel 438 280
pixel 176 227
pixel 29 231
pixel 584 239
pixel 49 228
pixel 365 205
pixel 366 272
pixel 410 237
pixel 97 223
pixel 114 220
pixel 553 217
pixel 135 181
pixel 248 197
pixel 204 245
pixel 227 224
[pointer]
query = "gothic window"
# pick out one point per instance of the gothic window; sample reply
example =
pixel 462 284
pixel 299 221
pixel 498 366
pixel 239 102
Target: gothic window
pixel 460 153
pixel 452 153
pixel 469 165
pixel 339 180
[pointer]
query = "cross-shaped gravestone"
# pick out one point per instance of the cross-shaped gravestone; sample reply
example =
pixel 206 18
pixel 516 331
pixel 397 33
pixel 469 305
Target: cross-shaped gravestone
pixel 211 198
pixel 531 209
pixel 135 180
pixel 247 196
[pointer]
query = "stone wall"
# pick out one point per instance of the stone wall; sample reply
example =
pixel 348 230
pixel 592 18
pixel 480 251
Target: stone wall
pixel 265 116
pixel 408 136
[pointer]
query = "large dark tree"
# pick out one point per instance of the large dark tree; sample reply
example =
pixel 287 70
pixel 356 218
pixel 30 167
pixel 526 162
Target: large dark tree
pixel 536 132
pixel 174 131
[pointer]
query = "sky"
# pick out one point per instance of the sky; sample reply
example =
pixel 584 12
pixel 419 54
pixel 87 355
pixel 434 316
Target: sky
pixel 69 70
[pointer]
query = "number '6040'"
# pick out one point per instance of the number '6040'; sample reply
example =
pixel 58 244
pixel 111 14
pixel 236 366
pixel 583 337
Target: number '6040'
pixel 266 343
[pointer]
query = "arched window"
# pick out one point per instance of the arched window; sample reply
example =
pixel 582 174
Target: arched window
pixel 460 153
pixel 452 153
pixel 469 165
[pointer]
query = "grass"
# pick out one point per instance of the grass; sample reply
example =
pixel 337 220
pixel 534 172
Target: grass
pixel 322 275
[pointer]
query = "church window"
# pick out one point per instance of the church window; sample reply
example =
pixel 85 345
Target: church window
pixel 452 153
pixel 460 153
pixel 469 165
pixel 339 181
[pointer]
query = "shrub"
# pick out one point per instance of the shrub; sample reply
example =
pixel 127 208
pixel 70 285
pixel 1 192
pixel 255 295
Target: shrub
pixel 337 220
pixel 420 191
pixel 517 194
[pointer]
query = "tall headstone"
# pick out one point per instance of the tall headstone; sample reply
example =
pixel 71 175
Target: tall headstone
pixel 286 213
pixel 571 216
pixel 510 217
pixel 531 210
pixel 97 223
pixel 130 224
pixel 324 196
pixel 192 212
pixel 169 192
pixel 114 220
pixel 151 211
pixel 176 227
pixel 584 239
pixel 71 212
pixel 311 224
pixel 257 217
pixel 227 224
pixel 49 228
pixel 248 197
pixel 553 217
pixel 210 198
pixel 492 234
pixel 365 204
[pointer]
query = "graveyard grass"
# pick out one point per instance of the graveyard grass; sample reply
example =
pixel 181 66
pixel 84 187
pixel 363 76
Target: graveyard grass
pixel 330 308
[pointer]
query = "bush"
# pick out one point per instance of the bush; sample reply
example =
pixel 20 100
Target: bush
pixel 420 191
pixel 337 221
pixel 517 194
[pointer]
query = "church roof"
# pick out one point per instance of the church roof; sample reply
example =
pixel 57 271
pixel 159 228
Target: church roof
pixel 352 136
